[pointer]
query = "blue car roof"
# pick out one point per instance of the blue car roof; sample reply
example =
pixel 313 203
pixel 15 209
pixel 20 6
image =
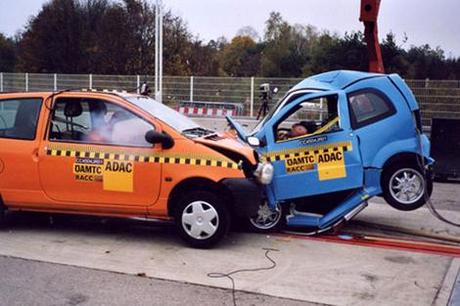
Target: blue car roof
pixel 334 80
pixel 341 79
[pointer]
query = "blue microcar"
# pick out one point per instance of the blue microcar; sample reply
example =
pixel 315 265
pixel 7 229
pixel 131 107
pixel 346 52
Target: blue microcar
pixel 335 140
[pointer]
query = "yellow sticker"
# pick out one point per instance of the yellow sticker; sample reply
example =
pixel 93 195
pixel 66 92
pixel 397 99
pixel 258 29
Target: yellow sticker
pixel 300 164
pixel 331 165
pixel 329 160
pixel 183 159
pixel 88 169
pixel 118 176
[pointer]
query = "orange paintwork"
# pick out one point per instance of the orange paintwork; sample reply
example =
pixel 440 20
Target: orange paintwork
pixel 32 180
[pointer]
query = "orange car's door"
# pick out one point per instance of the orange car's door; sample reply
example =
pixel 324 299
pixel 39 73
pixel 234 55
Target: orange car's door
pixel 19 143
pixel 95 153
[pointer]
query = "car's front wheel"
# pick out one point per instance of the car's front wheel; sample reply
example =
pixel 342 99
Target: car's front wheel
pixel 406 187
pixel 202 219
pixel 266 219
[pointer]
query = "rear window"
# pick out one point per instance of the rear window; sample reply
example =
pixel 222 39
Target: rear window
pixel 367 107
pixel 19 117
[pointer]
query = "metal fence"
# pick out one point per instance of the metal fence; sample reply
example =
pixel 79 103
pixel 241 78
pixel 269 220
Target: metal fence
pixel 438 99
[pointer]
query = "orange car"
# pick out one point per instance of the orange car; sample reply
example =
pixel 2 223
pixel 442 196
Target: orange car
pixel 124 155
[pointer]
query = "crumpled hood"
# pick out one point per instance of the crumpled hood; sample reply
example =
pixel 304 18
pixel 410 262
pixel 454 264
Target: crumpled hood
pixel 230 142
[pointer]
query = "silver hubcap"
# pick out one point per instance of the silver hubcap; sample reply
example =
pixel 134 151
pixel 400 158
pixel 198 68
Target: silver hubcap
pixel 200 220
pixel 266 218
pixel 407 186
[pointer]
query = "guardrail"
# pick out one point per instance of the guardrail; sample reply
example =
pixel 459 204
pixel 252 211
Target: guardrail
pixel 438 99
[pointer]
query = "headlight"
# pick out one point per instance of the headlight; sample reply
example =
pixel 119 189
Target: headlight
pixel 264 173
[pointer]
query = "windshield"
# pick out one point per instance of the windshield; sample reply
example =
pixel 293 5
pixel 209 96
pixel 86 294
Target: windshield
pixel 164 113
pixel 289 97
pixel 269 115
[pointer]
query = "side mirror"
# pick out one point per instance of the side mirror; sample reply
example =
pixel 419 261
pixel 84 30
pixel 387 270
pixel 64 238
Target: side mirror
pixel 153 137
pixel 253 141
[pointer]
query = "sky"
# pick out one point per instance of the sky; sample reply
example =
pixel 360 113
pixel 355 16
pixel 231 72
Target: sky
pixel 435 22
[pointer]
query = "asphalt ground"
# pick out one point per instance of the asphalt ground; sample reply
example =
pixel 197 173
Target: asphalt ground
pixel 74 260
pixel 27 282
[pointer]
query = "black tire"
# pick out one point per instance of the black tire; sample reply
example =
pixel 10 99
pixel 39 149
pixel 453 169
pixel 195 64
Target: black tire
pixel 266 221
pixel 210 231
pixel 415 181
pixel 2 214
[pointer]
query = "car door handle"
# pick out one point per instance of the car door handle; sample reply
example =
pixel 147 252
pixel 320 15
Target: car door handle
pixel 35 156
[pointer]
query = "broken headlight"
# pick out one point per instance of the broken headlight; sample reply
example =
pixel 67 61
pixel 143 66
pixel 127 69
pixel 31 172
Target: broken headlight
pixel 264 173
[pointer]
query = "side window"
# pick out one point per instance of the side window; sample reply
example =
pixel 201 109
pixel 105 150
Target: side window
pixel 96 121
pixel 310 117
pixel 367 107
pixel 19 118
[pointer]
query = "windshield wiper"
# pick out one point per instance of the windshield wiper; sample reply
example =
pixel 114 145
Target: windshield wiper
pixel 199 131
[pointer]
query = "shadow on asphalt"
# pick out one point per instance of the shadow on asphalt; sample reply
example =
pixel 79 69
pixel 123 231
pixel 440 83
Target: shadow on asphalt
pixel 116 228
pixel 447 181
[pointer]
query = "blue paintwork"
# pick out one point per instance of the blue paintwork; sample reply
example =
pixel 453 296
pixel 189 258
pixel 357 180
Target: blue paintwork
pixel 288 186
pixel 372 181
pixel 331 218
pixel 301 220
pixel 405 91
pixel 333 80
pixel 238 128
pixel 373 144
pixel 344 208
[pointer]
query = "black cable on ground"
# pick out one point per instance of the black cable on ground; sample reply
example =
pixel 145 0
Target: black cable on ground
pixel 229 275
pixel 435 213
pixel 429 204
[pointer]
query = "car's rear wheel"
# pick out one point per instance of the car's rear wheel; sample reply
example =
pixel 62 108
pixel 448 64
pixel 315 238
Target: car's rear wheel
pixel 202 219
pixel 406 187
pixel 267 219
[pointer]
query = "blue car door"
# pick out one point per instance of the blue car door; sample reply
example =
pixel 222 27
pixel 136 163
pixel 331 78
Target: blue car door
pixel 324 160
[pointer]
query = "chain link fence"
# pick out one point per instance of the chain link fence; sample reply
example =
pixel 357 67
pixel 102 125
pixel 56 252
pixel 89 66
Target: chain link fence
pixel 437 99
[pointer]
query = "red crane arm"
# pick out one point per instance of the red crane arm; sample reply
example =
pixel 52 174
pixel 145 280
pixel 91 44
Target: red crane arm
pixel 369 14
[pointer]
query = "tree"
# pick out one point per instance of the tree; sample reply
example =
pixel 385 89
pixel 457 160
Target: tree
pixel 332 52
pixel 177 46
pixel 98 36
pixel 453 68
pixel 7 54
pixel 52 39
pixel 426 62
pixel 118 37
pixel 240 57
pixel 275 26
pixel 140 23
pixel 250 32
pixel 91 13
pixel 204 59
pixel 275 49
pixel 394 57
pixel 287 49
pixel 113 46
pixel 320 54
